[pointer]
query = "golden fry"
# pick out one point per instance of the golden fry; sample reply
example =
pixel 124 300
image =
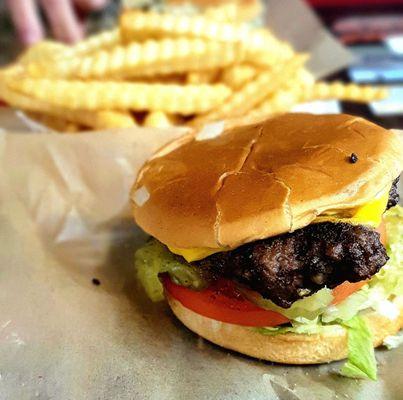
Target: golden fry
pixel 111 119
pixel 232 12
pixel 197 78
pixel 260 46
pixel 42 52
pixel 342 91
pixel 138 25
pixel 238 75
pixel 102 41
pixel 292 92
pixel 78 95
pixel 252 93
pixel 158 119
pixel 54 123
pixel 93 119
pixel 280 102
pixel 164 57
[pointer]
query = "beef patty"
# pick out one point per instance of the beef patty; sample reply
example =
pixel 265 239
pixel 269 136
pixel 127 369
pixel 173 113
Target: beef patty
pixel 288 267
pixel 393 194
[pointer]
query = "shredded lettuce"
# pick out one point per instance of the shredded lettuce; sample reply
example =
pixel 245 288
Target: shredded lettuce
pixel 361 362
pixel 307 308
pixel 303 327
pixel 391 342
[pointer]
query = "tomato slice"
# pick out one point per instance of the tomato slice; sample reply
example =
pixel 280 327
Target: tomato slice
pixel 344 290
pixel 223 302
pixel 382 231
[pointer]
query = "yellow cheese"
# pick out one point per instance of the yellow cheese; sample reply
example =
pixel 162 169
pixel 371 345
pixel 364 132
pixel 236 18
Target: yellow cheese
pixel 367 214
pixel 196 253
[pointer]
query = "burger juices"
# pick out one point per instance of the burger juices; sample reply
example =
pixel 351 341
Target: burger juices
pixel 281 240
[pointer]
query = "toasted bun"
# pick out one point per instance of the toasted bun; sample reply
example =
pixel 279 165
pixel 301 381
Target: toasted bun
pixel 222 189
pixel 286 348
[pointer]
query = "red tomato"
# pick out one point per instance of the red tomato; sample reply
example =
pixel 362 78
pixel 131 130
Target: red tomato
pixel 382 231
pixel 223 302
pixel 344 290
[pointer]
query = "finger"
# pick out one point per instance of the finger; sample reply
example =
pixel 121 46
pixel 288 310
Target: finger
pixel 91 5
pixel 26 20
pixel 63 20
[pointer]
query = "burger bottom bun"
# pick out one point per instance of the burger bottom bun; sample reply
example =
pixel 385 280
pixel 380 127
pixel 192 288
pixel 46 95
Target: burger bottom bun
pixel 286 348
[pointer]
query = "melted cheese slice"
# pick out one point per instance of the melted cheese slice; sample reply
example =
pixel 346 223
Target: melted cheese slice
pixel 367 214
pixel 196 253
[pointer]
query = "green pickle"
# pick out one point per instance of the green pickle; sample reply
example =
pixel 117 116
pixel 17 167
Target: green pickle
pixel 153 259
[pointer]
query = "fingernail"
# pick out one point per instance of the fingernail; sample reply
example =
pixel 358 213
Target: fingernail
pixel 30 37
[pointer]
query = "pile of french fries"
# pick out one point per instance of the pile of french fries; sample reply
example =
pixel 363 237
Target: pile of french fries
pixel 160 70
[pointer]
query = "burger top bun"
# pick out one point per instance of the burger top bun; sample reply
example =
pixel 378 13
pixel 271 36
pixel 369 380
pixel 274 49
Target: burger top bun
pixel 222 188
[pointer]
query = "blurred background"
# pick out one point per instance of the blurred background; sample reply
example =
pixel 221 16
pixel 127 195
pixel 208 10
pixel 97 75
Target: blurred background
pixel 371 29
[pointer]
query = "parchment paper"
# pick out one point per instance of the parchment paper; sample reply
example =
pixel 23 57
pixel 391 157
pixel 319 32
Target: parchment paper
pixel 293 21
pixel 64 220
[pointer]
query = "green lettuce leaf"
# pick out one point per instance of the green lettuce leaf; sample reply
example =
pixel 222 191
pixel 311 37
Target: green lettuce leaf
pixel 307 328
pixel 391 342
pixel 307 308
pixel 361 362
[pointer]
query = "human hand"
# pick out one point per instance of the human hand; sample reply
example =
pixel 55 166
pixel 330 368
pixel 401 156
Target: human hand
pixel 62 16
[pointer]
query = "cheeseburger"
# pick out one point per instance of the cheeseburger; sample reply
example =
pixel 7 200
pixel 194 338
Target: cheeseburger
pixel 281 240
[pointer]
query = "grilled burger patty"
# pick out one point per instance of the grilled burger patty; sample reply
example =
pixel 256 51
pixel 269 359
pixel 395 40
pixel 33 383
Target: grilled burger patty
pixel 393 195
pixel 288 267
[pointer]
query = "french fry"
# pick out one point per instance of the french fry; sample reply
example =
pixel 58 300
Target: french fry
pixel 137 25
pixel 164 57
pixel 93 119
pixel 232 12
pixel 197 78
pixel 238 75
pixel 252 93
pixel 158 119
pixel 280 102
pixel 46 50
pixel 348 92
pixel 79 95
pixel 42 52
pixel 294 91
pixel 54 123
pixel 108 119
pixel 102 41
